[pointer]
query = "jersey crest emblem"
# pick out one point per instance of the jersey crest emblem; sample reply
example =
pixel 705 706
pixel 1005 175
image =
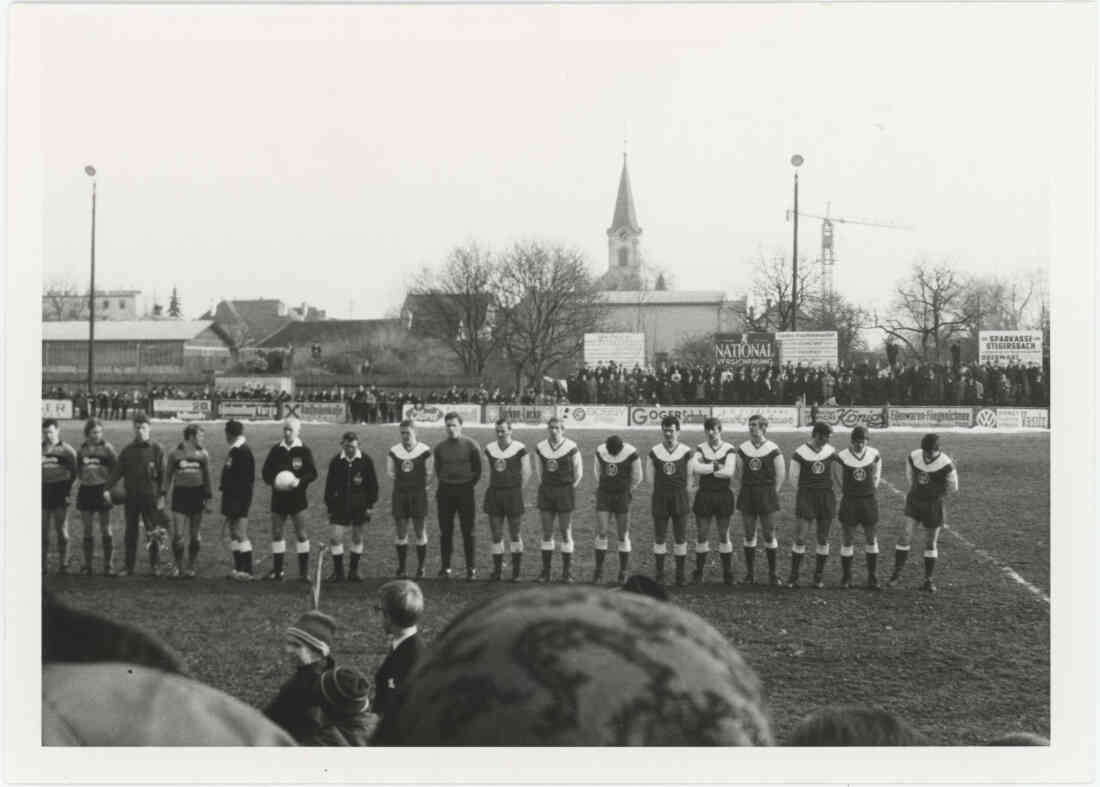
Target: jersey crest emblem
pixel 357 479
pixel 611 469
pixel 817 468
pixel 755 464
pixel 923 479
pixel 669 468
pixel 296 463
pixel 859 474
pixel 229 461
pixel 551 465
pixel 501 465
pixel 407 466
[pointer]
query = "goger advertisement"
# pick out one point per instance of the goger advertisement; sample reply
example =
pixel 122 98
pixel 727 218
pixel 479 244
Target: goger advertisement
pixel 651 416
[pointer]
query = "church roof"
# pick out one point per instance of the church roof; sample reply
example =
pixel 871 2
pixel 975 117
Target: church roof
pixel 624 205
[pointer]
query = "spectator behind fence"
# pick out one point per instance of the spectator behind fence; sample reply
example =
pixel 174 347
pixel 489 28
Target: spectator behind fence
pixel 852 725
pixel 108 684
pixel 574 666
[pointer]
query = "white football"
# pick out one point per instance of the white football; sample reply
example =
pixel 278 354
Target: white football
pixel 285 480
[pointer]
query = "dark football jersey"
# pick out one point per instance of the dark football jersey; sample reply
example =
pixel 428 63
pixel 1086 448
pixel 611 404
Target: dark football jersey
pixel 615 472
pixel 556 464
pixel 505 464
pixel 722 454
pixel 758 463
pixel 670 469
pixel 58 463
pixel 410 467
pixel 815 468
pixel 930 481
pixel 188 467
pixel 94 462
pixel 859 471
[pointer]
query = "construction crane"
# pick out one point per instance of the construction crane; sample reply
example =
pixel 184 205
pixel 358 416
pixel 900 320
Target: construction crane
pixel 828 254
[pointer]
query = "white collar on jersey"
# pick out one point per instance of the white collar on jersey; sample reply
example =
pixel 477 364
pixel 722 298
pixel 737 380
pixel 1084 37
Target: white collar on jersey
pixel 848 456
pixel 564 447
pixel 296 444
pixel 417 449
pixel 624 454
pixel 806 451
pixel 763 449
pixel 357 455
pixel 238 442
pixel 665 455
pixel 497 452
pixel 917 458
pixel 713 453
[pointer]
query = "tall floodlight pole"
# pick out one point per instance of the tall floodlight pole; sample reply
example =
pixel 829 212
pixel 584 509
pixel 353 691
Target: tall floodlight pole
pixel 90 172
pixel 796 162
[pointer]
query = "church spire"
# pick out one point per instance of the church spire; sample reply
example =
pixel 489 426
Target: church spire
pixel 624 217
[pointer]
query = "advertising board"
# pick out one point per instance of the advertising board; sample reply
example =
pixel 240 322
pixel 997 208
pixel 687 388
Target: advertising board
pixel 737 348
pixel 592 416
pixel 734 417
pixel 332 412
pixel 651 416
pixel 1002 347
pixel 931 417
pixel 809 348
pixel 871 417
pixel 185 409
pixel 520 414
pixel 433 414
pixel 625 349
pixel 57 408
pixel 1020 418
pixel 248 410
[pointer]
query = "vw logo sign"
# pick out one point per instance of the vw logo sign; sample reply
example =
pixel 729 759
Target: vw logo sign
pixel 551 465
pixel 670 468
pixel 986 418
pixel 859 474
pixel 923 479
pixel 755 464
pixel 407 466
pixel 501 465
pixel 817 468
pixel 612 469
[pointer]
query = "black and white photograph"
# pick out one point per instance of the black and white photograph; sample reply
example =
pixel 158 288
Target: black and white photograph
pixel 465 376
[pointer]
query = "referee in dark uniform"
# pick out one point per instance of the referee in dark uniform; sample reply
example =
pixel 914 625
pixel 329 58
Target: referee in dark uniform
pixel 457 463
pixel 237 481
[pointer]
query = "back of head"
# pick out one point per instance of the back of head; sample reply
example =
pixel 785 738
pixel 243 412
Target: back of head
pixel 567 666
pixel 851 725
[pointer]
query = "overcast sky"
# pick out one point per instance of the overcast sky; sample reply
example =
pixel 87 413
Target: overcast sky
pixel 325 154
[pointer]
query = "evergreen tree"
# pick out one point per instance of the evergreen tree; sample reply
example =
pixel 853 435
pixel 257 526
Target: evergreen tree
pixel 174 305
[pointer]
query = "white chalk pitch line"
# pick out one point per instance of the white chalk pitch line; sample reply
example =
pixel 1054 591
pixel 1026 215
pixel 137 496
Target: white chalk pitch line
pixel 1007 570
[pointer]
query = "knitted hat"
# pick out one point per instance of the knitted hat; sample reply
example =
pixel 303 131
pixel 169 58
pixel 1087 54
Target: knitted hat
pixel 315 629
pixel 645 586
pixel 344 690
pixel 565 666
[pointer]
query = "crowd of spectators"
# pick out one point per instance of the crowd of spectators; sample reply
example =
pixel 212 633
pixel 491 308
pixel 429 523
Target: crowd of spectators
pixel 909 383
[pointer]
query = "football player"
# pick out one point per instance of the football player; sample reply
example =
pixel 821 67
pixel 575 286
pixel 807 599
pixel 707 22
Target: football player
pixel 858 470
pixel 289 504
pixel 141 466
pixel 58 475
pixel 509 472
pixel 671 461
pixel 932 476
pixel 619 470
pixel 94 462
pixel 189 479
pixel 815 504
pixel 759 474
pixel 560 471
pixel 409 465
pixel 713 467
pixel 351 490
pixel 237 480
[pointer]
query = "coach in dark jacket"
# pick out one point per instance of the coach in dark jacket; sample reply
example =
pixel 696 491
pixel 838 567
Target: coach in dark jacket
pixel 292 455
pixel 351 490
pixel 401 604
pixel 141 467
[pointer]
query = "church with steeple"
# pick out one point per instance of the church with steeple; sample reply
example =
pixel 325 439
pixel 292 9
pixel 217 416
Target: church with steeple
pixel 624 236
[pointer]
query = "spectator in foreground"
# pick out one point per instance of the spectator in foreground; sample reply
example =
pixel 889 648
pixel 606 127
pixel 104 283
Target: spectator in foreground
pixel 308 647
pixel 645 586
pixel 578 666
pixel 401 604
pixel 852 725
pixel 345 720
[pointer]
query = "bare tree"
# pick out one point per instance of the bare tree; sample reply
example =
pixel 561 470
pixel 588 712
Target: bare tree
pixel 695 350
pixel 771 288
pixel 61 300
pixel 929 310
pixel 458 306
pixel 549 302
pixel 1000 303
pixel 834 312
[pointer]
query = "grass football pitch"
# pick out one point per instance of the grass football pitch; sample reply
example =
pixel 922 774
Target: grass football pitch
pixel 962 665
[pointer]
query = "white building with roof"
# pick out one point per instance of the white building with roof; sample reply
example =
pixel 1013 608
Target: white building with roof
pixel 137 346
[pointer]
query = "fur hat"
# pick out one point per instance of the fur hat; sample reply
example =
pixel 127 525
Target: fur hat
pixel 315 629
pixel 569 666
pixel 344 691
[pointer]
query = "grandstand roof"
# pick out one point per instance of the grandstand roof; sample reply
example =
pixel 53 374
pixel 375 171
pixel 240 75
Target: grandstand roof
pixel 126 330
pixel 299 333
pixel 662 297
pixel 624 205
